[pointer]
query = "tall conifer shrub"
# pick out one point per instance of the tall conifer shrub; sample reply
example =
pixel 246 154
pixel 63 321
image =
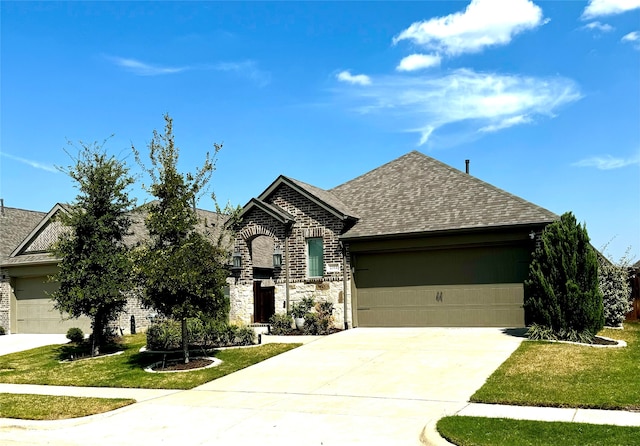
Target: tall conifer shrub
pixel 562 292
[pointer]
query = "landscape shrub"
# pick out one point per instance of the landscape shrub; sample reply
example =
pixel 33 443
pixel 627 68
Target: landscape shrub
pixel 75 335
pixel 245 336
pixel 312 324
pixel 281 324
pixel 562 291
pixel 613 279
pixel 167 334
pixel 2 331
pixel 164 335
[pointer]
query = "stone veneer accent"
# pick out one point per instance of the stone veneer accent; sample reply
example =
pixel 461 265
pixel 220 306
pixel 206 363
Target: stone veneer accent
pixel 5 300
pixel 241 296
pixel 311 220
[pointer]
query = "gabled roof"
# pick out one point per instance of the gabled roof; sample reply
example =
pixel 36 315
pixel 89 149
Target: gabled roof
pixel 274 211
pixel 34 247
pixel 37 243
pixel 321 197
pixel 15 225
pixel 417 194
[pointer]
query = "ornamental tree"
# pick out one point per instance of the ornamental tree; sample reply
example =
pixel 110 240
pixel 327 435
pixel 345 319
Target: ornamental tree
pixel 95 266
pixel 613 279
pixel 562 291
pixel 180 270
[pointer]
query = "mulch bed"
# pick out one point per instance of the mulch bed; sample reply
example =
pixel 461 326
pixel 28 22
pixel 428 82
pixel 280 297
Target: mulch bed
pixel 601 341
pixel 177 365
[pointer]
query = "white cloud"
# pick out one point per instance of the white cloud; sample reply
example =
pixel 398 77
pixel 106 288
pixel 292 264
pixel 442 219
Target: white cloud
pixel 506 123
pixel 633 38
pixel 598 8
pixel 144 69
pixel 358 79
pixel 418 62
pixel 597 26
pixel 607 162
pixel 485 102
pixel 28 162
pixel 483 23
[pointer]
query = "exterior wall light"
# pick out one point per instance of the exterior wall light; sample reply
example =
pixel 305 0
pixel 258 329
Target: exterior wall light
pixel 237 260
pixel 277 258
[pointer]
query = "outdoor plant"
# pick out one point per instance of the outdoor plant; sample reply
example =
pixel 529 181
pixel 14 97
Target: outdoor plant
pixel 75 335
pixel 613 279
pixel 319 322
pixel 562 291
pixel 280 324
pixel 2 331
pixel 245 336
pixel 300 309
pixel 164 335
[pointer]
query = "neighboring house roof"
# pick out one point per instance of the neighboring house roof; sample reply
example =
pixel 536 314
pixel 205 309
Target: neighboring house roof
pixel 15 225
pixel 35 246
pixel 417 194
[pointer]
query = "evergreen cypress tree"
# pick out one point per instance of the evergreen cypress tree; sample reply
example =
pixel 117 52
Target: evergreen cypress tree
pixel 562 291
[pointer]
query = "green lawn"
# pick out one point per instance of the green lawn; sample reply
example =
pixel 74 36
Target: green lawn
pixel 564 375
pixel 558 375
pixel 477 431
pixel 42 366
pixel 47 407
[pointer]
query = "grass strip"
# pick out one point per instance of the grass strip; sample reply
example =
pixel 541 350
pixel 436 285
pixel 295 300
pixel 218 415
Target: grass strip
pixel 50 407
pixel 565 375
pixel 478 431
pixel 42 366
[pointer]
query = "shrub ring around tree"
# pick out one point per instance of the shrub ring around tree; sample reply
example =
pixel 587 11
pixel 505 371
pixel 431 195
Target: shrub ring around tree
pixel 177 365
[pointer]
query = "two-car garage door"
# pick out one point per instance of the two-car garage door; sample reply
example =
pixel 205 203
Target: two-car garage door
pixel 34 308
pixel 463 287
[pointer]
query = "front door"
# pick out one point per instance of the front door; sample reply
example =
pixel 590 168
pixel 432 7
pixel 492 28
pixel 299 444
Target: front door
pixel 264 302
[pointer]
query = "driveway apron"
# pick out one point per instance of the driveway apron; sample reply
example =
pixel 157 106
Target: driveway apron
pixel 361 386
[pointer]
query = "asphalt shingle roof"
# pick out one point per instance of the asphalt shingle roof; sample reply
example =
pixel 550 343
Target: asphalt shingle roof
pixel 416 193
pixel 15 225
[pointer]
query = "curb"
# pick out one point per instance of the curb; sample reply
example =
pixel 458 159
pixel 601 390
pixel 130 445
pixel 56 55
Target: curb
pixel 431 437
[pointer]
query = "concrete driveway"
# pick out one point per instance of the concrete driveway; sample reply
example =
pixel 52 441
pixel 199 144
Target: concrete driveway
pixel 364 386
pixel 19 342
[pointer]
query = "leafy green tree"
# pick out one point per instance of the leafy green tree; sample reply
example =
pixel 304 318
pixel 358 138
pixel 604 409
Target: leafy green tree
pixel 181 271
pixel 562 291
pixel 613 278
pixel 95 267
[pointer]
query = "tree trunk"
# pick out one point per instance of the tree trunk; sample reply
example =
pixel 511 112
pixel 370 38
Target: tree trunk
pixel 185 340
pixel 96 336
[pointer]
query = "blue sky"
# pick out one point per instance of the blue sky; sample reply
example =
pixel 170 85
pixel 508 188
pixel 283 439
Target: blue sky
pixel 543 97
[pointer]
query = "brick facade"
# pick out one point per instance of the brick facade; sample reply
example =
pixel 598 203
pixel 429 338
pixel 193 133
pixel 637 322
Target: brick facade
pixel 311 221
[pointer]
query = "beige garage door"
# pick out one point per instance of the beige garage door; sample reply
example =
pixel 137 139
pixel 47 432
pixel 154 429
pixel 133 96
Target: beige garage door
pixel 35 312
pixel 465 287
pixel 490 305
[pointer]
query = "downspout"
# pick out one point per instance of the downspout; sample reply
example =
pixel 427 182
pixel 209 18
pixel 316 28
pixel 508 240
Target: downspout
pixel 286 267
pixel 344 283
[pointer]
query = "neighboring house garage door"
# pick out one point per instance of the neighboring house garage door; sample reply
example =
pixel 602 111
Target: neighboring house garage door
pixel 34 308
pixel 464 287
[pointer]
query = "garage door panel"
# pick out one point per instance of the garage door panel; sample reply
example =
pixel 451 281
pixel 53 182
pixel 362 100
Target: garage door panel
pixel 497 305
pixel 35 312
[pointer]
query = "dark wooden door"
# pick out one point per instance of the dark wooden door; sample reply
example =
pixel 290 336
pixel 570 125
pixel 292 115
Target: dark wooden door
pixel 264 302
